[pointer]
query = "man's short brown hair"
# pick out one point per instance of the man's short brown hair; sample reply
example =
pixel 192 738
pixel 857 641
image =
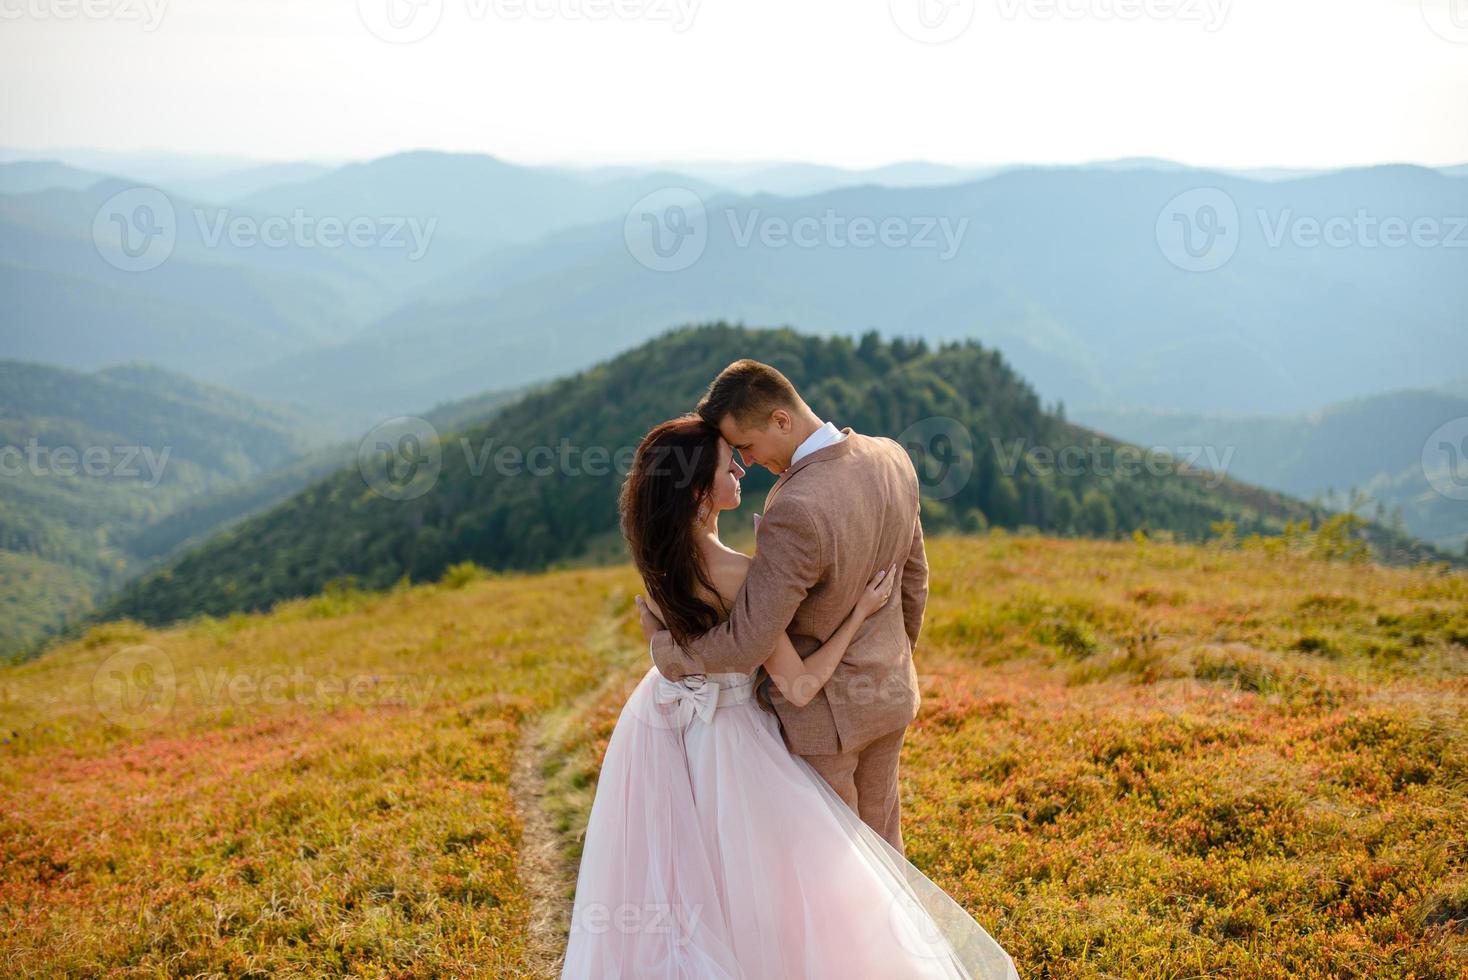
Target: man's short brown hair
pixel 749 391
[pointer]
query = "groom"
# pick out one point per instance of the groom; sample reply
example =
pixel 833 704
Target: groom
pixel 844 505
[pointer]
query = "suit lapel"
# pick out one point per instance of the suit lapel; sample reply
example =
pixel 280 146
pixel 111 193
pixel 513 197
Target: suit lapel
pixel 770 497
pixel 825 452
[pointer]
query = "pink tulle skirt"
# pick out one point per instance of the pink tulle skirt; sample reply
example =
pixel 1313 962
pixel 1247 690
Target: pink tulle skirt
pixel 714 853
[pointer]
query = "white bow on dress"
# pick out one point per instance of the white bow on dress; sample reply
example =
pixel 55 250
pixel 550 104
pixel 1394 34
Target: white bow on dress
pixel 700 700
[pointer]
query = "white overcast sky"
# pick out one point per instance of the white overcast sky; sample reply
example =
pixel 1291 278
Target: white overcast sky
pixel 1211 82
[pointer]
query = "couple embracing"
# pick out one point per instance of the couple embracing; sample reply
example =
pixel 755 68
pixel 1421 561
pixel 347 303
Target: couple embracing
pixel 747 822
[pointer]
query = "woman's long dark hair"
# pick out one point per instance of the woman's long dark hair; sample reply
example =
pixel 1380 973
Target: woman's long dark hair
pixel 671 477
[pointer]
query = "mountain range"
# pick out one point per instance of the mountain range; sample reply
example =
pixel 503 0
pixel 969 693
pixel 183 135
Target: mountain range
pixel 1366 454
pixel 1059 269
pixel 528 272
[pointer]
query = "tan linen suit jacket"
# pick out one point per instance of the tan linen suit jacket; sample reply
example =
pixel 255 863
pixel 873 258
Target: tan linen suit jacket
pixel 831 520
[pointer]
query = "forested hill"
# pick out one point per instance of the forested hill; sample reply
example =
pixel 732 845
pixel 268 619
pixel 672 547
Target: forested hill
pixel 978 431
pixel 89 462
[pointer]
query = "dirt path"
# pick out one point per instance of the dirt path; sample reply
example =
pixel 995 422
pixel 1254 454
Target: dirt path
pixel 549 878
pixel 543 871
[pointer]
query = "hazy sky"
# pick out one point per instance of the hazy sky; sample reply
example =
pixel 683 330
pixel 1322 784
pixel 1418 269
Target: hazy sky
pixel 851 82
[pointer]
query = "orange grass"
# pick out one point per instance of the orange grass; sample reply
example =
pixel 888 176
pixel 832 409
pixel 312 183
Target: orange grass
pixel 1133 760
pixel 336 802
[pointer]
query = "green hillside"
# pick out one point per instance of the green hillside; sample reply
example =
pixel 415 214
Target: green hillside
pixel 466 501
pixel 200 517
pixel 89 462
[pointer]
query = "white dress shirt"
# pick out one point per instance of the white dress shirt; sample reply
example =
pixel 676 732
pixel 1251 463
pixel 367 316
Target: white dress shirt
pixel 826 435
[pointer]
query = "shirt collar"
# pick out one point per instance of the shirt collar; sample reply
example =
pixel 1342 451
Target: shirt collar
pixel 819 439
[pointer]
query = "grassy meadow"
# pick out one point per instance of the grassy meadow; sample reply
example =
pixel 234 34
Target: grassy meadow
pixel 1134 759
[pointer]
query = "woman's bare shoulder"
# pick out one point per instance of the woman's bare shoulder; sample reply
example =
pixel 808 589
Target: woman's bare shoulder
pixel 727 569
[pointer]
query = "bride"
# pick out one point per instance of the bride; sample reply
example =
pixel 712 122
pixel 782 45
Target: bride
pixel 712 853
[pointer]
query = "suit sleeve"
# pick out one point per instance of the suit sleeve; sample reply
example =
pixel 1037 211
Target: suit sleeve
pixel 787 564
pixel 915 584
